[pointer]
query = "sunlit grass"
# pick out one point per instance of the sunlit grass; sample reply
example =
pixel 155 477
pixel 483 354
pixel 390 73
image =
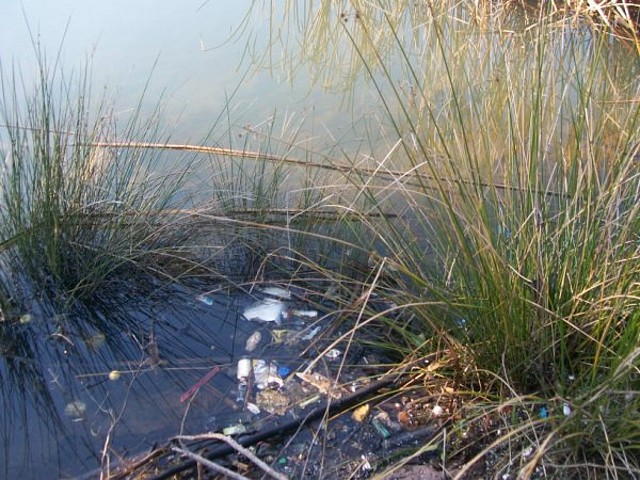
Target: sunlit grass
pixel 514 170
pixel 521 243
pixel 499 228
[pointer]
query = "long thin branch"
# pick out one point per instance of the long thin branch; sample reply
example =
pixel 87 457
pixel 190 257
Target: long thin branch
pixel 342 404
pixel 209 464
pixel 394 174
pixel 239 448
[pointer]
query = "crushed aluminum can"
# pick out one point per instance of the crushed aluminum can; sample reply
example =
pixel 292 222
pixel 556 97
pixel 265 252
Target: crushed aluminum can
pixel 266 374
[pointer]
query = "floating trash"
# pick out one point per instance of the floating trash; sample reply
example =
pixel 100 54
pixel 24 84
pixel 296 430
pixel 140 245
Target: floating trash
pixel 333 354
pixel 380 427
pixel 75 409
pixel 437 411
pixel 253 408
pixel 312 333
pixel 566 410
pixel 277 292
pixel 266 374
pixel 204 298
pixel 305 313
pixel 543 412
pixel 279 336
pixel 26 318
pixel 360 414
pixel 244 370
pixel 268 310
pixel 114 375
pixel 283 371
pixel 253 341
pixel 320 382
pixel 235 429
pixel 273 401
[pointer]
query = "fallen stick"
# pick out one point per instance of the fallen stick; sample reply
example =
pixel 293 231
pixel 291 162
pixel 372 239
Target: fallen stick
pixel 238 448
pixel 336 167
pixel 209 464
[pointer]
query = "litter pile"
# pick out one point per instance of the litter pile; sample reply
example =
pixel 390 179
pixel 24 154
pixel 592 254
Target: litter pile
pixel 301 404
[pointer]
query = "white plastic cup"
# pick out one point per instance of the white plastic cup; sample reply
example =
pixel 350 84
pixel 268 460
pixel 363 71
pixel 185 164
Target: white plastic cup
pixel 244 369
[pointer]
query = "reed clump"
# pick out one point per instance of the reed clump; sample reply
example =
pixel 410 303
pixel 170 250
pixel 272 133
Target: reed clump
pixel 520 249
pixel 73 213
pixel 514 175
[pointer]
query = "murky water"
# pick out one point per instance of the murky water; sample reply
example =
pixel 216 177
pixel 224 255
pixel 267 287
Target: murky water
pixel 102 381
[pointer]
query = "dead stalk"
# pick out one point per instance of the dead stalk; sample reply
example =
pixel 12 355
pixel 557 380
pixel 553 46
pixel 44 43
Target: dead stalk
pixel 200 460
pixel 237 447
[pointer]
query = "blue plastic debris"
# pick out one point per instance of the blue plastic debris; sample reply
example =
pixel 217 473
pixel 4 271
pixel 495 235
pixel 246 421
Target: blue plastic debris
pixel 206 299
pixel 283 371
pixel 543 412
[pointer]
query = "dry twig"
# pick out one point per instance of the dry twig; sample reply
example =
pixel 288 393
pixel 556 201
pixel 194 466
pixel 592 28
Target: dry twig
pixel 237 447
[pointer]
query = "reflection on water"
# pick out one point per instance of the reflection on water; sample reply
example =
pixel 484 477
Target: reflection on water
pixel 84 383
pixel 87 383
pixel 183 47
pixel 111 371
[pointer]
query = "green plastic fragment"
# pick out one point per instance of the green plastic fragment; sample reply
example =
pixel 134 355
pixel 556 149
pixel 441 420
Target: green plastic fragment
pixel 380 428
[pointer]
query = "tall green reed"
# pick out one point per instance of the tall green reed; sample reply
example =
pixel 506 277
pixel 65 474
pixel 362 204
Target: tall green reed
pixel 519 249
pixel 73 213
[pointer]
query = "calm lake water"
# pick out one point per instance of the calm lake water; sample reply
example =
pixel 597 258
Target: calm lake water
pixel 186 50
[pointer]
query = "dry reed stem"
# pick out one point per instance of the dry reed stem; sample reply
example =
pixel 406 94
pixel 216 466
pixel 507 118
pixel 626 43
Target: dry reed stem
pixel 333 166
